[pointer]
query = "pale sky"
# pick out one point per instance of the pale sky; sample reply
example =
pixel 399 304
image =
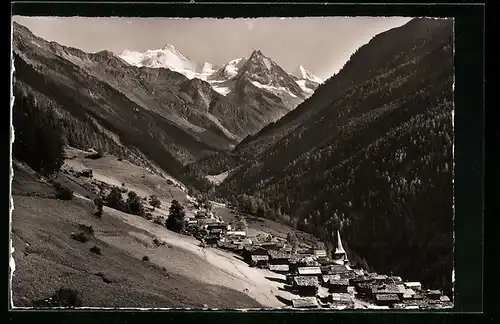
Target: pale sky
pixel 321 44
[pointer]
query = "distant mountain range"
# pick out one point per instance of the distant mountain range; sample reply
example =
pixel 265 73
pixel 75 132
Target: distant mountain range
pixel 158 104
pixel 171 58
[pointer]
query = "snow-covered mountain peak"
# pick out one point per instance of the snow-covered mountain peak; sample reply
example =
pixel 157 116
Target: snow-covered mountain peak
pixel 169 47
pixel 166 57
pixel 228 70
pixel 301 73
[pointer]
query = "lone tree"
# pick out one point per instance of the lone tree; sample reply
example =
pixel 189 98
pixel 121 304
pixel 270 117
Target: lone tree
pixel 99 203
pixel 134 204
pixel 115 200
pixel 155 202
pixel 175 220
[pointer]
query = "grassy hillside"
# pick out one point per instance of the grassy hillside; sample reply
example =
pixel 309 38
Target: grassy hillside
pixel 47 258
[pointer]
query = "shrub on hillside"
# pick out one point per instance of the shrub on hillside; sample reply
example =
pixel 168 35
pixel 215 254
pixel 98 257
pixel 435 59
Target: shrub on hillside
pixel 175 220
pixel 38 136
pixel 87 229
pixel 63 193
pixel 80 237
pixel 134 204
pixel 95 249
pixel 157 242
pixel 145 258
pixel 115 200
pixel 99 203
pixel 63 297
pixel 155 202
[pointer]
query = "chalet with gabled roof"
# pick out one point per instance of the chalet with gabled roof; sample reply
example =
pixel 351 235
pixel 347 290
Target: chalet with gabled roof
pixel 342 299
pixel 260 261
pixel 279 268
pixel 305 285
pixel 338 285
pixel 278 257
pixel 386 299
pixel 309 271
pixel 305 302
pixel 415 286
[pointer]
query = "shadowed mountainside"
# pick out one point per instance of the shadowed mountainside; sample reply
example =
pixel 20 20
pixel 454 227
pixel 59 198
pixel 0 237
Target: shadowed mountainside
pixel 370 153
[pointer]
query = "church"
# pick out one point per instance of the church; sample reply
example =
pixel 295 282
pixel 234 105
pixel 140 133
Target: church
pixel 340 255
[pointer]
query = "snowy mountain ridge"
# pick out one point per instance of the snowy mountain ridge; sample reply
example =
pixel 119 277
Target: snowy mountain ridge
pixel 218 77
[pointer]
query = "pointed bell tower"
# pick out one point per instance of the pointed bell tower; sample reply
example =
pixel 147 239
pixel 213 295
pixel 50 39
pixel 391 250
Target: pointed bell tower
pixel 340 256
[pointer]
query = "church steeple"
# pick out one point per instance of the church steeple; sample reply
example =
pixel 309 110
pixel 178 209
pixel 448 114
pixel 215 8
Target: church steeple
pixel 340 255
pixel 339 248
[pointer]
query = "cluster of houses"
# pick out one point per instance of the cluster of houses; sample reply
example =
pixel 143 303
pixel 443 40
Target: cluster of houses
pixel 318 280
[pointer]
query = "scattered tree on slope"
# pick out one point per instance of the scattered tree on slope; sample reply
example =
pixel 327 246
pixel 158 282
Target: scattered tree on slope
pixel 175 220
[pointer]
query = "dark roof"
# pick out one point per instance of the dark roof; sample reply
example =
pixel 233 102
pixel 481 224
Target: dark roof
pixel 324 261
pixel 338 282
pixel 335 268
pixel 386 297
pixel 278 254
pixel 388 289
pixel 272 246
pixel 305 281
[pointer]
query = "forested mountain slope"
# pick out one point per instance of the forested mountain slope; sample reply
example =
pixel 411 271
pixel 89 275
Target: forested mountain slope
pixel 369 60
pixel 370 152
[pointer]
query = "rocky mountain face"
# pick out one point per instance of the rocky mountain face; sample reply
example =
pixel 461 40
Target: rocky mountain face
pixel 370 152
pixel 158 113
pixel 257 83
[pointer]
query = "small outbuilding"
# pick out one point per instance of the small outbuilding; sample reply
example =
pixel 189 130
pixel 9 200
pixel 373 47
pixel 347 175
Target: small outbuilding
pixel 279 268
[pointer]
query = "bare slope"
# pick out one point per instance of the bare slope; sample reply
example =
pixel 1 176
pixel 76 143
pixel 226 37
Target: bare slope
pixel 47 259
pixel 119 278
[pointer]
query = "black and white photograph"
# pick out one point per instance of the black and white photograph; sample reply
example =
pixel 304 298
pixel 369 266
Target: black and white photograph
pixel 302 163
